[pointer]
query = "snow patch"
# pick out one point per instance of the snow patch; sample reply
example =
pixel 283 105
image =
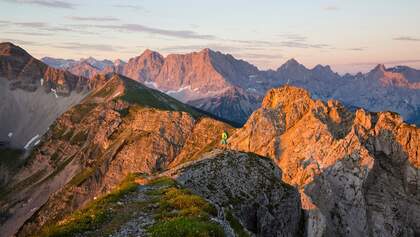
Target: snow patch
pixel 54 92
pixel 10 135
pixel 179 90
pixel 42 81
pixel 152 84
pixel 31 141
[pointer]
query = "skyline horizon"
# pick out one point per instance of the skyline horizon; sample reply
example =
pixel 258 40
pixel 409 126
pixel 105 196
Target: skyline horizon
pixel 349 36
pixel 372 65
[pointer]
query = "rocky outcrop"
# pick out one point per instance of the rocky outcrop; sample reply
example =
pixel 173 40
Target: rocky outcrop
pixel 356 171
pixel 247 186
pixel 204 137
pixel 144 67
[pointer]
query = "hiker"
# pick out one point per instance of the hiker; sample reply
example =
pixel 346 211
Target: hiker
pixel 224 138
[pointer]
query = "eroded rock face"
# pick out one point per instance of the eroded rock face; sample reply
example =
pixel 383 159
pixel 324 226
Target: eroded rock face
pixel 33 95
pixel 144 67
pixel 121 128
pixel 356 171
pixel 248 186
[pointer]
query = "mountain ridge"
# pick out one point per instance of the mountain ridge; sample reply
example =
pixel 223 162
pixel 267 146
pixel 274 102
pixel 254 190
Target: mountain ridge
pixel 206 75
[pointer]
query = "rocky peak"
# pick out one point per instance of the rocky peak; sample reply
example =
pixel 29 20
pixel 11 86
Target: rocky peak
pixel 144 67
pixel 209 53
pixel 147 53
pixel 323 69
pixel 380 68
pixel 9 49
pixel 285 96
pixel 290 64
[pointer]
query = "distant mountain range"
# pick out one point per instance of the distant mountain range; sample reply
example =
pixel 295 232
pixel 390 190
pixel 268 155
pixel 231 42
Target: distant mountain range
pixel 109 156
pixel 232 88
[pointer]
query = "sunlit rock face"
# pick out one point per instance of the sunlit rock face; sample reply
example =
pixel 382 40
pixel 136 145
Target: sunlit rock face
pixel 358 172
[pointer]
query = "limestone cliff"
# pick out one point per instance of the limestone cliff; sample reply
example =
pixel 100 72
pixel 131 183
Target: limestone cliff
pixel 358 172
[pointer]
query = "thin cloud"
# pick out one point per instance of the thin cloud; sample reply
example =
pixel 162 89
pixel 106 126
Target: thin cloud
pixel 356 49
pixel 214 46
pixel 190 48
pixel 294 37
pixel 287 40
pixel 302 45
pixel 294 41
pixel 32 24
pixel 28 33
pixel 21 42
pixel 407 38
pixel 42 26
pixel 128 6
pixel 259 56
pixel 185 34
pixel 392 62
pixel 79 18
pixel 331 8
pixel 47 3
pixel 82 46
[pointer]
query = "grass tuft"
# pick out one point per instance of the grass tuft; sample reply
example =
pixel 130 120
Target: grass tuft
pixel 186 227
pixel 182 213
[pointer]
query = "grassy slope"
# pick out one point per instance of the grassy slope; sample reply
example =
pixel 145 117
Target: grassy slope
pixel 175 212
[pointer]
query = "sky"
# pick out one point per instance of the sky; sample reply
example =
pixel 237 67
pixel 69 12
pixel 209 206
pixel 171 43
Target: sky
pixel 349 35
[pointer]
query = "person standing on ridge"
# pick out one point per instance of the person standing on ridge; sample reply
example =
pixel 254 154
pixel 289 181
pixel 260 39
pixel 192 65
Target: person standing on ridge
pixel 224 138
